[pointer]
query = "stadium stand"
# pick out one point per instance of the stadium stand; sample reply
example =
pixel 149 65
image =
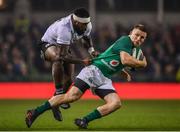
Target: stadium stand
pixel 20 59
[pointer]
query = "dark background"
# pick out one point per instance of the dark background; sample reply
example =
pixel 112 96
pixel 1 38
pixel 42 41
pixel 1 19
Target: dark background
pixel 23 23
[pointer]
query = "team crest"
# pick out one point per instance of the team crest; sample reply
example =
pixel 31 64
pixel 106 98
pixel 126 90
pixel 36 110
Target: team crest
pixel 114 63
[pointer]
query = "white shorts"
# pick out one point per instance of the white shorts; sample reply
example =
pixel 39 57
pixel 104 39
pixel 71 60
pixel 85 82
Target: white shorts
pixel 95 79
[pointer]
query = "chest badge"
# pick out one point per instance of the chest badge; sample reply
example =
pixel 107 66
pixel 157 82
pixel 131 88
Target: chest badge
pixel 114 63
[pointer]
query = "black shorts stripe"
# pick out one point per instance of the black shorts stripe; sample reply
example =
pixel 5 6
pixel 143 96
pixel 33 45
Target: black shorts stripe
pixel 103 92
pixel 44 45
pixel 83 86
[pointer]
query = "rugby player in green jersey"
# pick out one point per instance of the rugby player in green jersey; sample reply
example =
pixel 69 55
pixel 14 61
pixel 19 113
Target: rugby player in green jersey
pixel 97 78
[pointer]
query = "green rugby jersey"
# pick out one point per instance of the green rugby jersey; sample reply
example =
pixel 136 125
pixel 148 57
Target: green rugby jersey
pixel 109 62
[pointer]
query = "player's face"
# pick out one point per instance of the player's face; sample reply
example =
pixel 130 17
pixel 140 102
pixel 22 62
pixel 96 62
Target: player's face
pixel 137 36
pixel 80 28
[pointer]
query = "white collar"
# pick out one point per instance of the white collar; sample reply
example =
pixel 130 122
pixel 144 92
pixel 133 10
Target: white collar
pixel 71 25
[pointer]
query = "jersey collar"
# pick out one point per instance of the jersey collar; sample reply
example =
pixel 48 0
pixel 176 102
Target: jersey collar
pixel 71 25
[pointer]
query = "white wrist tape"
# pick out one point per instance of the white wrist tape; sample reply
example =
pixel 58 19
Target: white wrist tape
pixel 81 20
pixel 90 50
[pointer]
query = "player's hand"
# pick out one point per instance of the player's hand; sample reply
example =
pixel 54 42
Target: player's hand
pixel 87 61
pixel 95 54
pixel 144 62
pixel 128 77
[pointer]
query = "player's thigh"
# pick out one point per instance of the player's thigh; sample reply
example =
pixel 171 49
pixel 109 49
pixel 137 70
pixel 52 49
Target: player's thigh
pixel 112 101
pixel 105 88
pixel 74 93
pixel 52 53
pixel 102 93
pixel 112 98
pixel 108 93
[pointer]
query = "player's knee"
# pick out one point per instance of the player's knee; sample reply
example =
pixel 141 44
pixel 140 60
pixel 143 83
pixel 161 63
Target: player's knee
pixel 54 56
pixel 116 104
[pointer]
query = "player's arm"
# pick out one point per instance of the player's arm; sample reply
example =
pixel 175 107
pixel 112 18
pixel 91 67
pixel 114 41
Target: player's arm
pixel 125 75
pixel 88 44
pixel 128 60
pixel 64 42
pixel 72 60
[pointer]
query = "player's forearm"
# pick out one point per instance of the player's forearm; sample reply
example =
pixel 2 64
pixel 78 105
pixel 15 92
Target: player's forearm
pixel 123 73
pixel 128 60
pixel 132 62
pixel 72 60
pixel 88 44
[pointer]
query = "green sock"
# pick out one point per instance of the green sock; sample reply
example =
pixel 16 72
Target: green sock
pixel 40 109
pixel 92 116
pixel 59 89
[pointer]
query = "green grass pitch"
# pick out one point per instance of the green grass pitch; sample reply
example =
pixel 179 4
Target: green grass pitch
pixel 136 115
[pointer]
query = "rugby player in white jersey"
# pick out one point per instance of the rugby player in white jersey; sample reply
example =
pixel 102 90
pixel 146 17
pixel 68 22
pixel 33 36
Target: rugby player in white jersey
pixel 56 43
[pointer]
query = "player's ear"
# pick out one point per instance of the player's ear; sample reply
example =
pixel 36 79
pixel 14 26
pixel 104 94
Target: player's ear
pixel 76 22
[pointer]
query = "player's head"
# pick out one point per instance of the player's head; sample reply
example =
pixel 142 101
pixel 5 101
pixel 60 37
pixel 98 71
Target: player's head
pixel 138 34
pixel 80 19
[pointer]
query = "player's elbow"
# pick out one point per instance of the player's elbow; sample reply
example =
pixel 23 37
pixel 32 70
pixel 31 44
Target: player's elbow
pixel 125 61
pixel 145 65
pixel 124 58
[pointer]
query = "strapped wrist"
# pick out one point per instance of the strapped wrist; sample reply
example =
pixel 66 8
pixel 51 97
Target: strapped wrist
pixel 91 50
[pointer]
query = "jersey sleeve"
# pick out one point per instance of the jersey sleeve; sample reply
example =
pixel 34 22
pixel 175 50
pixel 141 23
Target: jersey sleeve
pixel 88 30
pixel 123 44
pixel 64 36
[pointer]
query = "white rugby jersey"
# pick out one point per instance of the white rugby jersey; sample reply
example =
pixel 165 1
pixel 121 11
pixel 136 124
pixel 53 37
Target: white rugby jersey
pixel 62 32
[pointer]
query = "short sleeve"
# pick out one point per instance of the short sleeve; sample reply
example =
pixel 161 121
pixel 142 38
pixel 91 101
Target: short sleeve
pixel 64 36
pixel 123 44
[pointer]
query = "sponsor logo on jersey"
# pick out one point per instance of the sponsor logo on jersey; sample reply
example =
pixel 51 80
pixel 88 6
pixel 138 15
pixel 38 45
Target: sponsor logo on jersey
pixel 114 63
pixel 106 64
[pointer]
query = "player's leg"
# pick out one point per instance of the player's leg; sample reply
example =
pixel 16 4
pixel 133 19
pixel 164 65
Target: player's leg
pixel 72 95
pixel 105 90
pixel 112 103
pixel 68 75
pixel 52 54
pixel 57 73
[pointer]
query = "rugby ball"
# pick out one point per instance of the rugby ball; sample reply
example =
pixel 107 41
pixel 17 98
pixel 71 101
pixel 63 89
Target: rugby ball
pixel 137 53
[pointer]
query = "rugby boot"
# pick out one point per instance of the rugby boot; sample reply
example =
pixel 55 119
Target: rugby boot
pixel 81 123
pixel 30 117
pixel 57 113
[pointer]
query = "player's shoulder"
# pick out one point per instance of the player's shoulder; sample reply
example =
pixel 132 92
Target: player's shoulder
pixel 64 25
pixel 124 38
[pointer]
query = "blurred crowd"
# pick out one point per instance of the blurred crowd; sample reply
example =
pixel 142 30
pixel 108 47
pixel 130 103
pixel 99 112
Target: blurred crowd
pixel 20 57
